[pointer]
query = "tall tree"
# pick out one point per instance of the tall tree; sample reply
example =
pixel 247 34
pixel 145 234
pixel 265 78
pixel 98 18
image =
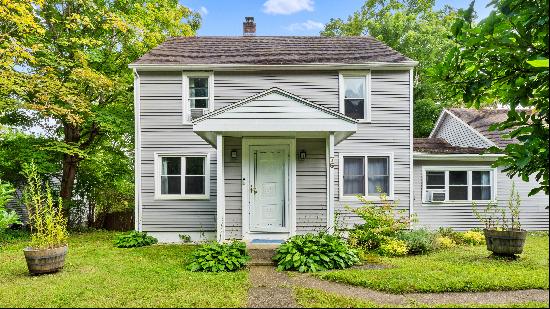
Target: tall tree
pixel 504 59
pixel 74 72
pixel 417 30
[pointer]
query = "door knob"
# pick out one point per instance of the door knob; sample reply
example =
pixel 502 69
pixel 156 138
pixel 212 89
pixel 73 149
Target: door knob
pixel 253 189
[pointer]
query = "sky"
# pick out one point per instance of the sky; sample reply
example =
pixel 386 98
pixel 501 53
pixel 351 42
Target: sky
pixel 286 17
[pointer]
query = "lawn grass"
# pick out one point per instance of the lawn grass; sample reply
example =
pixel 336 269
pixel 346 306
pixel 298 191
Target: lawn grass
pixel 465 268
pixel 311 298
pixel 98 275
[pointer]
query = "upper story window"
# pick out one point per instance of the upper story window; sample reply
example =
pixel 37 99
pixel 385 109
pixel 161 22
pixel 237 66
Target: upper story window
pixel 198 92
pixel 355 95
pixel 366 175
pixel 180 176
pixel 198 98
pixel 457 185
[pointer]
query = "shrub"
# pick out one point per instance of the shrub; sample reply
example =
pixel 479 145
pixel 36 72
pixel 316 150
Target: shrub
pixel 418 241
pixel 450 233
pixel 134 239
pixel 185 238
pixel 315 252
pixel 47 222
pixel 393 247
pixel 216 257
pixel 473 238
pixel 7 218
pixel 444 242
pixel 381 221
pixel 495 217
pixel 10 236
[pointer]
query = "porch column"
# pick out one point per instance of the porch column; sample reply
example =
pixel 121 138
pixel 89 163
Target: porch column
pixel 330 181
pixel 220 190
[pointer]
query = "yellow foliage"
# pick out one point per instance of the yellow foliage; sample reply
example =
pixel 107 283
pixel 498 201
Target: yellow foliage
pixel 444 242
pixel 473 238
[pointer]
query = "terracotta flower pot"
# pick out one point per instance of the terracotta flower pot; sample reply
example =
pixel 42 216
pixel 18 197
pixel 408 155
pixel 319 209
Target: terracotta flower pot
pixel 45 261
pixel 505 243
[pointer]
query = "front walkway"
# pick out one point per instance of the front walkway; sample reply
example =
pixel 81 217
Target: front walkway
pixel 273 289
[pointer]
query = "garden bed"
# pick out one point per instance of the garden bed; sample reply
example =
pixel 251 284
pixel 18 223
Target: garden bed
pixel 464 268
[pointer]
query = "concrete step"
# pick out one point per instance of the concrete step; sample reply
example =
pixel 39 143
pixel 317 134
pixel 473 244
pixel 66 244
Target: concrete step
pixel 261 257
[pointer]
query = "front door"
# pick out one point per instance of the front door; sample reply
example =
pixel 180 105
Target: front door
pixel 269 166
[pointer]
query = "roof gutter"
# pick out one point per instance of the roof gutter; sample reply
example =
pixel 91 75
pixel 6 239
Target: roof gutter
pixel 456 156
pixel 406 65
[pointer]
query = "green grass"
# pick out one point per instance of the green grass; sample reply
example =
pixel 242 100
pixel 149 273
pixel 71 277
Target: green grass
pixel 98 275
pixel 310 298
pixel 463 268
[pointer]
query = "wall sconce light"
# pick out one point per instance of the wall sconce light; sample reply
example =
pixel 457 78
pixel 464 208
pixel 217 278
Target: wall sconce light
pixel 302 155
pixel 233 154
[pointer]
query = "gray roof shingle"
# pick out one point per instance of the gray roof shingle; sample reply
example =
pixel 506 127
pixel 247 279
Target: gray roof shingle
pixel 441 146
pixel 482 119
pixel 271 50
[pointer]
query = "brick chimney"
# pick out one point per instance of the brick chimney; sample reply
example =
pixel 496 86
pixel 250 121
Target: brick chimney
pixel 249 27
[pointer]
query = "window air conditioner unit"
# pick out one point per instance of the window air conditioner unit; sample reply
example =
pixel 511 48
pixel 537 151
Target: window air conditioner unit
pixel 437 196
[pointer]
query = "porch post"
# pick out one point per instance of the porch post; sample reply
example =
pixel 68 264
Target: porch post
pixel 330 181
pixel 220 190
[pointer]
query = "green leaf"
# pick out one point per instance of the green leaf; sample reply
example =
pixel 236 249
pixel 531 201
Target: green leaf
pixel 539 63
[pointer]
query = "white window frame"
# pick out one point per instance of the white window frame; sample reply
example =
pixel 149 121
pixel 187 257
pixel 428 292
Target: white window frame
pixel 469 170
pixel 341 92
pixel 389 155
pixel 186 107
pixel 182 196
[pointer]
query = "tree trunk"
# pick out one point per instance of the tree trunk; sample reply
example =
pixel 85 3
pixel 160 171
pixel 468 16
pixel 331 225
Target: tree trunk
pixel 70 164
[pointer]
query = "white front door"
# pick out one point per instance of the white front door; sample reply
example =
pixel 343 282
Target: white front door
pixel 269 188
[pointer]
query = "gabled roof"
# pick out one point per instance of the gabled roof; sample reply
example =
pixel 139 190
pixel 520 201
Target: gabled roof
pixel 440 146
pixel 481 119
pixel 274 112
pixel 271 50
pixel 279 91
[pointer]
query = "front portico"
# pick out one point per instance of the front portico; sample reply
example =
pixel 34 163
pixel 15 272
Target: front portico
pixel 264 190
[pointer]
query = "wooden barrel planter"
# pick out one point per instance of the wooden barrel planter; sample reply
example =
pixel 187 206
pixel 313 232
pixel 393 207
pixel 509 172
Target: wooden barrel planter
pixel 505 243
pixel 45 261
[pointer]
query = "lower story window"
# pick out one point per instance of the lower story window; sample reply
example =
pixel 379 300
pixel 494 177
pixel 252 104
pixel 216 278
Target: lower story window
pixel 366 175
pixel 182 176
pixel 458 185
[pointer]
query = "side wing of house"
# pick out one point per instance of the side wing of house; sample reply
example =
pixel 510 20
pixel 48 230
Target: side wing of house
pixel 458 214
pixel 458 133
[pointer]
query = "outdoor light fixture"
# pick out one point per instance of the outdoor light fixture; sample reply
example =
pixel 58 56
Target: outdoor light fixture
pixel 302 155
pixel 233 153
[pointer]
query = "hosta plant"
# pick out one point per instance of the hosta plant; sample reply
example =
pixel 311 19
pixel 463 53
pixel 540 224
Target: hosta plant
pixel 315 252
pixel 216 257
pixel 134 239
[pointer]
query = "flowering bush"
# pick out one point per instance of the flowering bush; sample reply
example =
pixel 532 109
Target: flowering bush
pixel 393 247
pixel 382 221
pixel 444 242
pixel 473 238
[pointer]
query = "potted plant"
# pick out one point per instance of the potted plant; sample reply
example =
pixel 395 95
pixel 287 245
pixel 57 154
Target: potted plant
pixel 48 247
pixel 503 234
